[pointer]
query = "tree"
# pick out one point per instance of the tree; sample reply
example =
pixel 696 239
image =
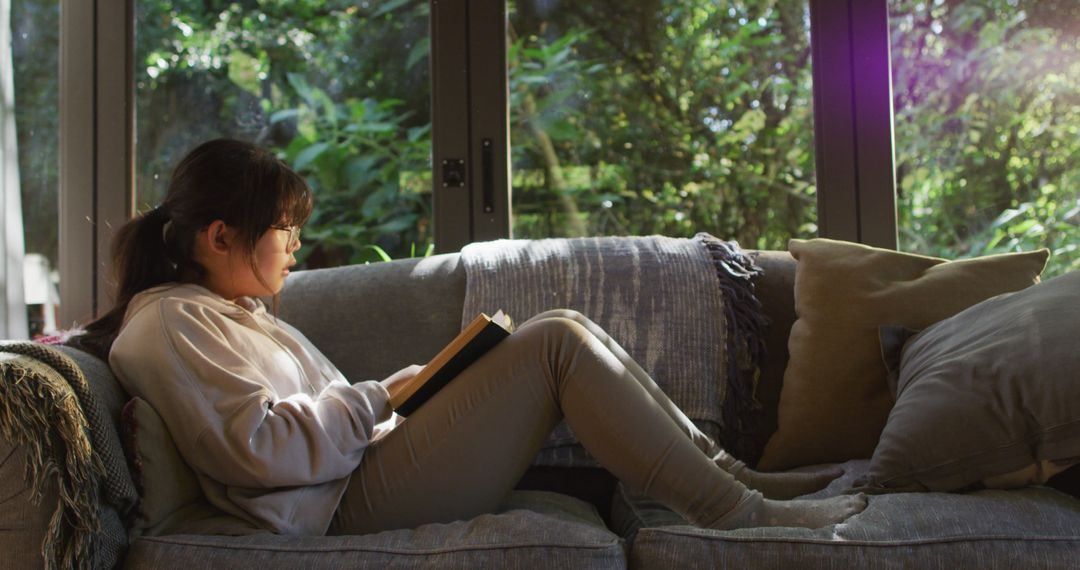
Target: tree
pixel 687 116
pixel 339 90
pixel 987 118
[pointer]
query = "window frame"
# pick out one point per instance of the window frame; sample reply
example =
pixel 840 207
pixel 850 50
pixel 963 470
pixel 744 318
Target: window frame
pixel 853 121
pixel 470 122
pixel 96 149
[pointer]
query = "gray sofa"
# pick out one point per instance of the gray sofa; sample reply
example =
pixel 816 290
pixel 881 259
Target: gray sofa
pixel 372 319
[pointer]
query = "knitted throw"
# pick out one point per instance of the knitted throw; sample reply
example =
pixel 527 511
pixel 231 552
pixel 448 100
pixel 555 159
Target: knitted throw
pixel 682 308
pixel 48 408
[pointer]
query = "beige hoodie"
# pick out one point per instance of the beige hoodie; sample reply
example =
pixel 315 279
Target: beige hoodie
pixel 270 426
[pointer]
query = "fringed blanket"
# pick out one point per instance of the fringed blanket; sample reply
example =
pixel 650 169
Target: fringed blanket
pixel 682 308
pixel 48 408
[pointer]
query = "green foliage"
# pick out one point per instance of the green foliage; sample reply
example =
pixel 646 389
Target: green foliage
pixel 340 89
pixel 698 120
pixel 660 116
pixel 988 127
pixel 1046 222
pixel 351 154
pixel 383 256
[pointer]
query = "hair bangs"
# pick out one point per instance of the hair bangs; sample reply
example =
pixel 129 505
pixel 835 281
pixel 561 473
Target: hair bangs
pixel 294 199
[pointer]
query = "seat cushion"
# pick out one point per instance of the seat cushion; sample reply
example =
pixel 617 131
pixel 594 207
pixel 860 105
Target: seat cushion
pixel 1033 527
pixel 554 531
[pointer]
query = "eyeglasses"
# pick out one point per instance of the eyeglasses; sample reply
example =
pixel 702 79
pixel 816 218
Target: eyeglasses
pixel 294 234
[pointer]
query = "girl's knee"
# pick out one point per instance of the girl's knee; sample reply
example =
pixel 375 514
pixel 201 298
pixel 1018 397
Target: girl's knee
pixel 556 327
pixel 559 314
pixel 573 316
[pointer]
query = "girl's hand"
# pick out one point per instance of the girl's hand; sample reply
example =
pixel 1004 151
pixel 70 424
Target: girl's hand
pixel 394 382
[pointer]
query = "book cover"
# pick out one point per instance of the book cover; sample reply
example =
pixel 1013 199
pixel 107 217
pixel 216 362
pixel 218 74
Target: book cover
pixel 480 336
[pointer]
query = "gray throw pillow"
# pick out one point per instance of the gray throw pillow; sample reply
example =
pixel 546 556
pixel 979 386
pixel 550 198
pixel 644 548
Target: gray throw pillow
pixel 172 501
pixel 993 390
pixel 165 481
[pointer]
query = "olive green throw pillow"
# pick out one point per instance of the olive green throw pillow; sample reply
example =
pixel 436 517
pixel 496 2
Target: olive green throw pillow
pixel 988 392
pixel 835 399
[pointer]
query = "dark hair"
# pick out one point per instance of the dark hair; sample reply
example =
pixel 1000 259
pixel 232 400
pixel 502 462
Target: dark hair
pixel 237 182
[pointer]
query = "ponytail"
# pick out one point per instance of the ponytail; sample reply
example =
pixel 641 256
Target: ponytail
pixel 142 259
pixel 223 179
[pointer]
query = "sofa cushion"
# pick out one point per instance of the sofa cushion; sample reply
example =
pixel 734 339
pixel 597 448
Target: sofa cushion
pixel 1034 527
pixel 631 512
pixel 986 393
pixel 372 320
pixel 776 291
pixel 351 312
pixel 554 532
pixel 834 400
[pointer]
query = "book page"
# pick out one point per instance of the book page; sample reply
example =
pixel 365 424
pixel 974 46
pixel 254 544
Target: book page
pixel 503 320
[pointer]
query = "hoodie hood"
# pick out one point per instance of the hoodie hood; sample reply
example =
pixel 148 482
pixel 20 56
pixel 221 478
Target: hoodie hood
pixel 193 292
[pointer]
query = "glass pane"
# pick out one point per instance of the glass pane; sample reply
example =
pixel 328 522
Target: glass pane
pixel 670 117
pixel 35 48
pixel 987 99
pixel 340 90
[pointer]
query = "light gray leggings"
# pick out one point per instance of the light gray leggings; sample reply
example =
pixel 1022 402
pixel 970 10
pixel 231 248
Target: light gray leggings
pixel 461 453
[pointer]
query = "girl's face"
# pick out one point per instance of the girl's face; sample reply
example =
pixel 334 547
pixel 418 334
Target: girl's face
pixel 273 257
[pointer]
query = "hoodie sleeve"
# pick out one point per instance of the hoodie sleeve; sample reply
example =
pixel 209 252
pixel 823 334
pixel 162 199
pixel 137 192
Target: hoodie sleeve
pixel 223 412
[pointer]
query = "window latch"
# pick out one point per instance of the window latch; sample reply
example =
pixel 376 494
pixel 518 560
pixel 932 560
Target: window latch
pixel 453 173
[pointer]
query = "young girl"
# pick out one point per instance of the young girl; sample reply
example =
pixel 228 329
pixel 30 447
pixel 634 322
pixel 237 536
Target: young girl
pixel 280 438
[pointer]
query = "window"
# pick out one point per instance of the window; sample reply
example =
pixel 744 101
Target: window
pixel 340 90
pixel 987 98
pixel 676 117
pixel 672 117
pixel 31 149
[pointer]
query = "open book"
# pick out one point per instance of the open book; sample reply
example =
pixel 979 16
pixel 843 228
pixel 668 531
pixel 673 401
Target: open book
pixel 478 337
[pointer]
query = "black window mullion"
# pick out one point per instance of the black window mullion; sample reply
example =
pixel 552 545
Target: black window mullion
pixel 853 121
pixel 874 122
pixel 452 178
pixel 489 121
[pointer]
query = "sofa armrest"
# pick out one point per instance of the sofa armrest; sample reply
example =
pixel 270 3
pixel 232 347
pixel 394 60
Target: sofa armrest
pixel 24 518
